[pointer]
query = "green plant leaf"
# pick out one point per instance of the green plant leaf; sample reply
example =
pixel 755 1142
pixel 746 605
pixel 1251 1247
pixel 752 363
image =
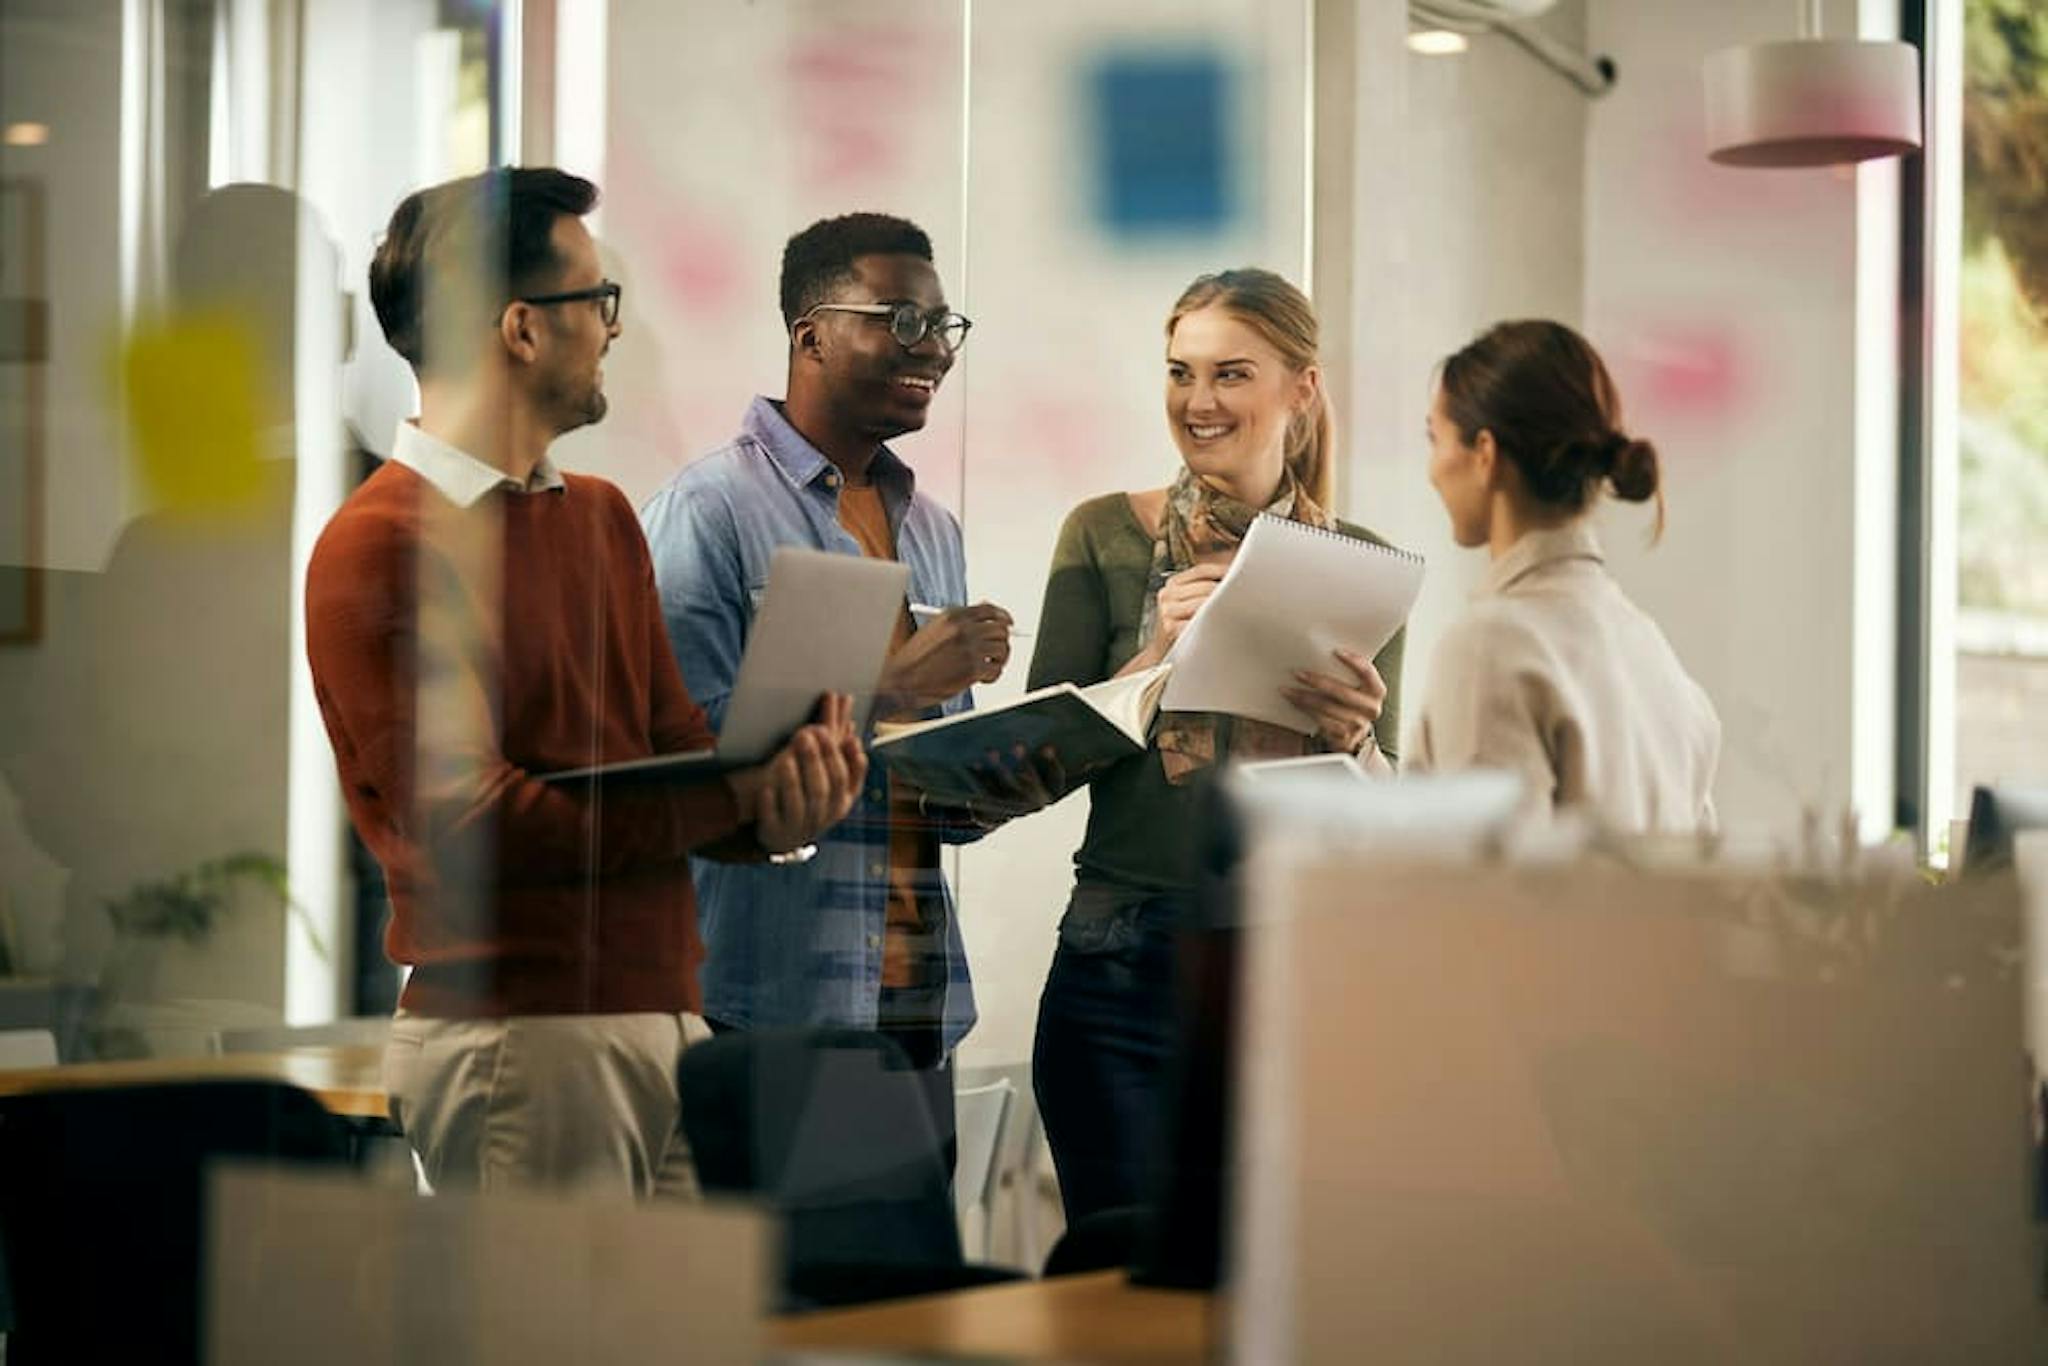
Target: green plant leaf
pixel 187 904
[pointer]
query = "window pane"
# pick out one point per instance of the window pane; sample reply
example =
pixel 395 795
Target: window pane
pixel 2001 654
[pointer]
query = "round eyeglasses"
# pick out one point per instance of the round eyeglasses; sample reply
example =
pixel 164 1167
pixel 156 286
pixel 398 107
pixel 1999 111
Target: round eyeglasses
pixel 606 295
pixel 908 323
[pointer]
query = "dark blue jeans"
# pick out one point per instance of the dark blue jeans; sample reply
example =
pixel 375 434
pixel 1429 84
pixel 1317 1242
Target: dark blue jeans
pixel 1103 1058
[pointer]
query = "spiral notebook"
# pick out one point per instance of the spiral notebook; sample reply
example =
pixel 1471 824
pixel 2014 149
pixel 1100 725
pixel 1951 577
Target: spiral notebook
pixel 1292 595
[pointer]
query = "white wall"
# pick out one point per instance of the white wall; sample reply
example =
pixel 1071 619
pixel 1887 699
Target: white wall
pixel 60 64
pixel 1726 303
pixel 1486 168
pixel 357 157
pixel 791 112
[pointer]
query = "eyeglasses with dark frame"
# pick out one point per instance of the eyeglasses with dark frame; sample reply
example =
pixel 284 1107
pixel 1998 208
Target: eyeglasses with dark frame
pixel 605 294
pixel 908 323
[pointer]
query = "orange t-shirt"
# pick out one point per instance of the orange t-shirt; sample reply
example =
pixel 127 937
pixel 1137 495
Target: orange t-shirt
pixel 909 944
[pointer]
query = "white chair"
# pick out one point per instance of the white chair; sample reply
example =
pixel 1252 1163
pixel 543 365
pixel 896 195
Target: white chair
pixel 980 1115
pixel 374 1030
pixel 1015 1196
pixel 27 1048
pixel 174 1027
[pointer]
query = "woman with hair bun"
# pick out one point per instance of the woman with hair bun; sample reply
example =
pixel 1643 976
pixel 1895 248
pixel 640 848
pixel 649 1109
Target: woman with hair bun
pixel 1552 673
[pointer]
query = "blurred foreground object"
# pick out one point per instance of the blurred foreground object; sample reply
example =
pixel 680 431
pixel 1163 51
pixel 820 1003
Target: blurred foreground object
pixel 1597 1112
pixel 315 1269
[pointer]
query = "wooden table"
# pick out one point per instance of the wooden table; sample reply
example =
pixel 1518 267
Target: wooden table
pixel 349 1081
pixel 1101 1317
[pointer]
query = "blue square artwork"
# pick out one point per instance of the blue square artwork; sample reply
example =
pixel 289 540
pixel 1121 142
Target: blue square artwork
pixel 1164 158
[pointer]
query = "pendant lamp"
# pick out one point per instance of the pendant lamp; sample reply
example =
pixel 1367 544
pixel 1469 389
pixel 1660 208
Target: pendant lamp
pixel 1813 101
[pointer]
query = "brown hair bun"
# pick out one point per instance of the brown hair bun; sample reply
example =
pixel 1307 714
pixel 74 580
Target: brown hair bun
pixel 1634 470
pixel 1545 395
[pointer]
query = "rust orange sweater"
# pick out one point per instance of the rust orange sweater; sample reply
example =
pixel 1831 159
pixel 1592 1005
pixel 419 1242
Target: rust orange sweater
pixel 456 654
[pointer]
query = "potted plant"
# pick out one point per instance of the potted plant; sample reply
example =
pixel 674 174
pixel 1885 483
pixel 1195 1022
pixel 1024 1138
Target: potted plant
pixel 186 907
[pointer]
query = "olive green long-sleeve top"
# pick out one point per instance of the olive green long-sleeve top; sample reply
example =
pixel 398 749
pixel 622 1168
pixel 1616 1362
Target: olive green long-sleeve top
pixel 1141 828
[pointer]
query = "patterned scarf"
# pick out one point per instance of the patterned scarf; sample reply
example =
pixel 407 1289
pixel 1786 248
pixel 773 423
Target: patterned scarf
pixel 1198 524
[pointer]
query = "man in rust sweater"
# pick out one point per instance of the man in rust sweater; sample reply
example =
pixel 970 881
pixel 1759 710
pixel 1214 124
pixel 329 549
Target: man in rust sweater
pixel 475 618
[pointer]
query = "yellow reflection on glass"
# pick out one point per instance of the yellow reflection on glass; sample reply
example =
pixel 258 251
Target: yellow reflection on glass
pixel 191 386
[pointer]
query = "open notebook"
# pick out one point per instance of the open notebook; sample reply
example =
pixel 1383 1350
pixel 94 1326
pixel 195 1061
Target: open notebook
pixel 1292 595
pixel 1089 728
pixel 823 626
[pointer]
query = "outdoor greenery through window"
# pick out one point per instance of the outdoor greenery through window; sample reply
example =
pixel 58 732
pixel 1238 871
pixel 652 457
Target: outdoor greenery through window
pixel 2002 484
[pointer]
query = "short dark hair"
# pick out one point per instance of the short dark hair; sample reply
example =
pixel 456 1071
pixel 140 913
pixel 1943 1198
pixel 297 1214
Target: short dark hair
pixel 1546 396
pixel 820 258
pixel 453 232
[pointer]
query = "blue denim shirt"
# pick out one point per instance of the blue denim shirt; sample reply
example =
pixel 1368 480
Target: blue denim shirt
pixel 802 944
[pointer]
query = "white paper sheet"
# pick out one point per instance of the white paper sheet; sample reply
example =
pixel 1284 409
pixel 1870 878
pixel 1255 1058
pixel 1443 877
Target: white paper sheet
pixel 1292 594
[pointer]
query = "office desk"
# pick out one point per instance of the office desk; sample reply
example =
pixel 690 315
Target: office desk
pixel 349 1081
pixel 1099 1317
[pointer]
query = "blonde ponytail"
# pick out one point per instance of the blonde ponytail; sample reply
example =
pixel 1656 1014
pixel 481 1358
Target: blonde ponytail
pixel 1311 450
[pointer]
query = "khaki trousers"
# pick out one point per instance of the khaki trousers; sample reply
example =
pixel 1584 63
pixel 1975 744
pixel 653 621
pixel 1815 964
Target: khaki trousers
pixel 573 1102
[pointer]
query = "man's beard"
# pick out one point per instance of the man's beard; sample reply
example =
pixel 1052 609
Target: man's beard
pixel 580 407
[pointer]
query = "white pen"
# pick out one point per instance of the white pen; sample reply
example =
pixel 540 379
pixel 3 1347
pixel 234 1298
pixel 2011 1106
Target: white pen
pixel 924 612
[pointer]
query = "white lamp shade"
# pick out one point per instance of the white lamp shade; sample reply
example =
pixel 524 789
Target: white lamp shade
pixel 1812 102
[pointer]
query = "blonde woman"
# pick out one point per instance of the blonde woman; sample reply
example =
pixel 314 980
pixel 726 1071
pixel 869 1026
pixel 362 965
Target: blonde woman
pixel 1245 406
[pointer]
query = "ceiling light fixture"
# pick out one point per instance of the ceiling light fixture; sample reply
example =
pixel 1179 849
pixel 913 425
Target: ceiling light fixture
pixel 27 134
pixel 1437 42
pixel 1813 101
pixel 1440 24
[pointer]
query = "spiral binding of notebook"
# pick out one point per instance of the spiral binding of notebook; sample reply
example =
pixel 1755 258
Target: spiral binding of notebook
pixel 1305 529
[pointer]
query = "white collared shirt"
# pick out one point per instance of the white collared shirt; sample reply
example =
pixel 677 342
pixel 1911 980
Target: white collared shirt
pixel 460 477
pixel 1554 674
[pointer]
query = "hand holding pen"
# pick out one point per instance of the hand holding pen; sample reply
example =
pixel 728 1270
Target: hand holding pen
pixel 950 652
pixel 923 613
